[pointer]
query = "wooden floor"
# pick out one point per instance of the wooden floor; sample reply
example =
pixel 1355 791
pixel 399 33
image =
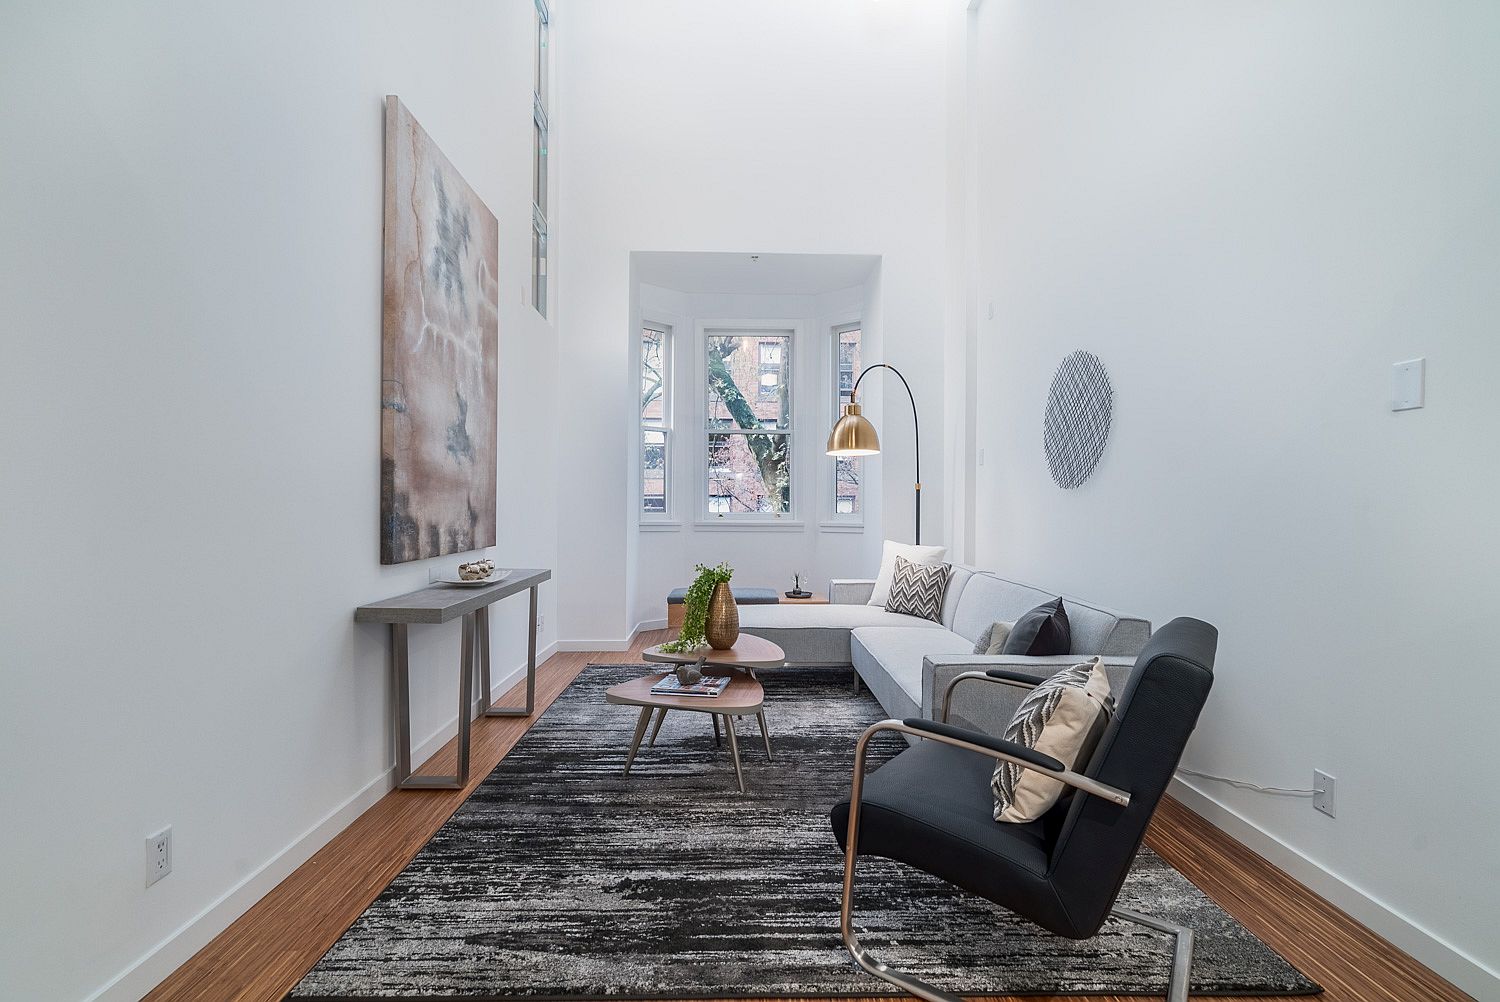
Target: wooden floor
pixel 269 948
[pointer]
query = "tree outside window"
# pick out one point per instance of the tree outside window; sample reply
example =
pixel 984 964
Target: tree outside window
pixel 748 428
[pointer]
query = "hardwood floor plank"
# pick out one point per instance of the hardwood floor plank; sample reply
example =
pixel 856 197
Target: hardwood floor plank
pixel 266 951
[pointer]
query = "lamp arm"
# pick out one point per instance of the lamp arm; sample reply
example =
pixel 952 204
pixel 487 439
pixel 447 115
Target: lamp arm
pixel 916 444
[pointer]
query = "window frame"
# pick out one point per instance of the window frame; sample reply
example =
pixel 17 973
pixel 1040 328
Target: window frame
pixel 832 519
pixel 668 517
pixel 795 331
pixel 541 178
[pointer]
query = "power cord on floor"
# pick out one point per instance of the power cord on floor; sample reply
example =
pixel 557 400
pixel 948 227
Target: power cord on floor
pixel 1245 785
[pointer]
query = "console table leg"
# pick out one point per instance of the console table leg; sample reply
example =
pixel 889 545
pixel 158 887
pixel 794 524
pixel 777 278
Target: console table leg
pixel 404 779
pixel 491 710
pixel 465 696
pixel 403 702
pixel 482 627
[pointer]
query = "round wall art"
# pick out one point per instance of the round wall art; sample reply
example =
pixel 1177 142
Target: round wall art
pixel 1076 426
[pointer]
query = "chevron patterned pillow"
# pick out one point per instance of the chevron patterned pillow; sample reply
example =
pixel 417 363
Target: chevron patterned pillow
pixel 917 589
pixel 1063 717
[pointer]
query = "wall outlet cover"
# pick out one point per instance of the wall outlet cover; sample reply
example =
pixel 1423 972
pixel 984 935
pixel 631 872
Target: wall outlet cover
pixel 1323 790
pixel 158 855
pixel 1409 385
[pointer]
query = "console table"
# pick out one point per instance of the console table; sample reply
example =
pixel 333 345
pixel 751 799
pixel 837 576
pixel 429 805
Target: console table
pixel 441 604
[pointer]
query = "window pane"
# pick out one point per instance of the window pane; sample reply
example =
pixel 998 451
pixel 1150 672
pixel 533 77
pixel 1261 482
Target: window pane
pixel 539 172
pixel 749 381
pixel 846 472
pixel 539 270
pixel 654 472
pixel 541 56
pixel 653 376
pixel 749 473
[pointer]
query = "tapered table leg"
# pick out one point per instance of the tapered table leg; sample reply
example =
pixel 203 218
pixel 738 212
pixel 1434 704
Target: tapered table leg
pixel 764 733
pixel 715 718
pixel 635 742
pixel 661 716
pixel 734 750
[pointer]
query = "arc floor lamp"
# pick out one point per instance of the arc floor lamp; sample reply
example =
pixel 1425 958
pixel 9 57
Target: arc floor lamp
pixel 854 435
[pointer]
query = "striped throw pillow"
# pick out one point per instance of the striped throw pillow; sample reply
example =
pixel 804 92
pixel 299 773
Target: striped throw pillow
pixel 1063 717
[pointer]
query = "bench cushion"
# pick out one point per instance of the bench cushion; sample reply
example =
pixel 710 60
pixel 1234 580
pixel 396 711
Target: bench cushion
pixel 742 596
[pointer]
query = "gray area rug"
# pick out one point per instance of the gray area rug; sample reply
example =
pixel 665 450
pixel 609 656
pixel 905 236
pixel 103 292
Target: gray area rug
pixel 560 878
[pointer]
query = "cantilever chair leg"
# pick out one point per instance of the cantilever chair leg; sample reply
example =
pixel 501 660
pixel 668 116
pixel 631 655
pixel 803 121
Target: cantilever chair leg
pixel 1182 950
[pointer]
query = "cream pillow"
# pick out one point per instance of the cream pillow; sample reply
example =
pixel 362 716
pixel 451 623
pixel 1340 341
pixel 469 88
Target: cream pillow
pixel 1063 717
pixel 916 554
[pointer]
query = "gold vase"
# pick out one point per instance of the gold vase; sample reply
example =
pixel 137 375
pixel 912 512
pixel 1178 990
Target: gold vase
pixel 722 623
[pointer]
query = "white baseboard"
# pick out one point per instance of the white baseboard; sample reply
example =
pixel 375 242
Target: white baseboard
pixel 612 645
pixel 1429 949
pixel 187 939
pixel 593 645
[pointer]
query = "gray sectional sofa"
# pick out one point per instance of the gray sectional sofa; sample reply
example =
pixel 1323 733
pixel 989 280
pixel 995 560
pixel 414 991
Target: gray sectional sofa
pixel 907 662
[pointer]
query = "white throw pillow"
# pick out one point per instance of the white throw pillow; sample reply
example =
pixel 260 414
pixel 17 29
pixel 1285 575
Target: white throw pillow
pixel 916 554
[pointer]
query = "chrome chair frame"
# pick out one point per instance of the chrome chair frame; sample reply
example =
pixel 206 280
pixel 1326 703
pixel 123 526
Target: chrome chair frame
pixel 1182 953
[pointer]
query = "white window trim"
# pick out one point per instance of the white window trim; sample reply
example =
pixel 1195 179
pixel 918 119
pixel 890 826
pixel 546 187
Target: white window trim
pixel 832 520
pixel 797 438
pixel 666 521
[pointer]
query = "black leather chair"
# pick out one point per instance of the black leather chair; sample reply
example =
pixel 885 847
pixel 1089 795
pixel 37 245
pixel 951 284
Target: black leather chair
pixel 931 807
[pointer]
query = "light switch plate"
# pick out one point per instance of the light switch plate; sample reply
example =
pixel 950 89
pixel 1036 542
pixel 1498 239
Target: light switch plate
pixel 1409 384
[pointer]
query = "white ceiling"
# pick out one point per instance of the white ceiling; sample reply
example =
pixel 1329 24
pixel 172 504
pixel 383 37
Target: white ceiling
pixel 747 274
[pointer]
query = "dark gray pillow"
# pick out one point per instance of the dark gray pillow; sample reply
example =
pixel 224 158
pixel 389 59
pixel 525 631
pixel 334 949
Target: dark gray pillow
pixel 917 589
pixel 1042 631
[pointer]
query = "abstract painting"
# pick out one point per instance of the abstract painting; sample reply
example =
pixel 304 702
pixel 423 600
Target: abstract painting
pixel 439 372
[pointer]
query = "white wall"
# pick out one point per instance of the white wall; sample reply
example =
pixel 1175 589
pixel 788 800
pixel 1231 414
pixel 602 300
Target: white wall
pixel 778 126
pixel 189 461
pixel 761 558
pixel 1249 211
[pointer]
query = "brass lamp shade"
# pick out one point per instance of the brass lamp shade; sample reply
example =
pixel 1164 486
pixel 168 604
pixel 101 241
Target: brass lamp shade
pixel 853 435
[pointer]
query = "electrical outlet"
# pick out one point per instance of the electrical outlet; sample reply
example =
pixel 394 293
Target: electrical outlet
pixel 1323 788
pixel 158 855
pixel 541 622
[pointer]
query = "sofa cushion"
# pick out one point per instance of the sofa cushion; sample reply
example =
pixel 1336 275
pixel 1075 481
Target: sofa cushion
pixel 819 634
pixel 957 579
pixel 987 598
pixel 896 653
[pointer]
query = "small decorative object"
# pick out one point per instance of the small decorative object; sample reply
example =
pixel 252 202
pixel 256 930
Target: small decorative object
pixel 723 626
pixel 1076 426
pixel 478 570
pixel 797 590
pixel 689 674
pixel 695 610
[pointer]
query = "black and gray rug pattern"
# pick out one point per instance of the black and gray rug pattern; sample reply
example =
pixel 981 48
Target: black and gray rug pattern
pixel 560 878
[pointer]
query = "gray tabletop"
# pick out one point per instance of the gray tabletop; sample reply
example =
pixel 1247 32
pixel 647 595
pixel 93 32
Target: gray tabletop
pixel 441 603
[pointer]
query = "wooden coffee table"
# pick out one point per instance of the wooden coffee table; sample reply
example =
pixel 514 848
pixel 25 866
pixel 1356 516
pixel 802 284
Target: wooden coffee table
pixel 747 654
pixel 741 698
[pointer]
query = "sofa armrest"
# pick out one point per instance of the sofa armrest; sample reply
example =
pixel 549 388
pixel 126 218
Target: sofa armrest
pixel 850 591
pixel 990 707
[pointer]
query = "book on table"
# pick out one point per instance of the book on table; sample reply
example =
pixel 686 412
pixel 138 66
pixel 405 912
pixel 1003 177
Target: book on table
pixel 708 685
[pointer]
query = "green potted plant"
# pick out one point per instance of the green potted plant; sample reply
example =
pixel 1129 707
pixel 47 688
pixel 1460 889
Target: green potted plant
pixel 695 609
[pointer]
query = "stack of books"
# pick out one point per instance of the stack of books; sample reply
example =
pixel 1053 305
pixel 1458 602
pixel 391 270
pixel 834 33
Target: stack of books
pixel 709 685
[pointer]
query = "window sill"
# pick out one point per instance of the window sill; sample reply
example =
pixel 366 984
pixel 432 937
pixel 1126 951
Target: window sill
pixel 734 525
pixel 663 526
pixel 841 526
